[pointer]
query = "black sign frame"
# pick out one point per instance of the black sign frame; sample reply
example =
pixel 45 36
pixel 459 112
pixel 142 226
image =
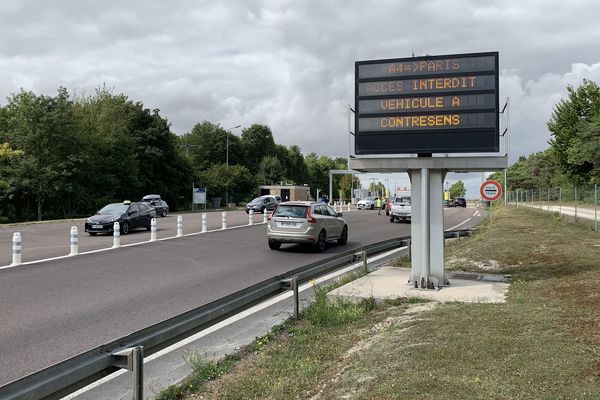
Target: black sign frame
pixel 437 139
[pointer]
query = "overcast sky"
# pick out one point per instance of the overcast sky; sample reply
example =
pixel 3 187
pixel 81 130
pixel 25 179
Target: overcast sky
pixel 290 64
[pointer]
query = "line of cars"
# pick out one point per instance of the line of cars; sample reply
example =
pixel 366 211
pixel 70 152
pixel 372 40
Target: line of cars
pixel 130 215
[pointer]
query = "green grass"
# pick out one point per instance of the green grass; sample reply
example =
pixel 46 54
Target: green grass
pixel 543 343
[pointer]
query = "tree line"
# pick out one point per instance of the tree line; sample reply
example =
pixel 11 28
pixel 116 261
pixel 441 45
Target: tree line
pixel 573 156
pixel 66 156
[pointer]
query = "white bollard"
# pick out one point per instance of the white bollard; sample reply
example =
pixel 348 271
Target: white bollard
pixel 179 226
pixel 74 241
pixel 348 207
pixel 204 223
pixel 250 215
pixel 224 220
pixel 153 230
pixel 265 215
pixel 16 257
pixel 116 235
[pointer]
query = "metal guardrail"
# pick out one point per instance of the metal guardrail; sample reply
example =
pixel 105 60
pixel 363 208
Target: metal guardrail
pixel 79 371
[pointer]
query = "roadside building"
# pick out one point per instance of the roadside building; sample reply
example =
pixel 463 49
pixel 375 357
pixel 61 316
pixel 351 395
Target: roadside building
pixel 287 192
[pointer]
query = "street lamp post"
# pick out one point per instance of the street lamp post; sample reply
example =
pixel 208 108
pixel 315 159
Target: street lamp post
pixel 227 163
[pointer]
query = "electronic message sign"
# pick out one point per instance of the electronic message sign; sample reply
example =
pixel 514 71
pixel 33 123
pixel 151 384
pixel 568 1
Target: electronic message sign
pixel 432 104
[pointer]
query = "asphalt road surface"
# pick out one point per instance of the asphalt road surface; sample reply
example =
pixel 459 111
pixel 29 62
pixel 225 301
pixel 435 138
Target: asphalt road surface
pixel 53 310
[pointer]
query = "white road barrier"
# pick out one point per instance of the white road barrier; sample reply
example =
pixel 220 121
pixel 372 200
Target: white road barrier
pixel 224 220
pixel 179 226
pixel 116 235
pixel 153 230
pixel 348 207
pixel 16 248
pixel 265 216
pixel 204 223
pixel 250 217
pixel 74 241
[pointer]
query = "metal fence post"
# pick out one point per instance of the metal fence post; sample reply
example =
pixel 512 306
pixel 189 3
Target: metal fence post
pixel 517 198
pixel 74 241
pixel 548 198
pixel 116 235
pixel 596 207
pixel 575 204
pixel 560 201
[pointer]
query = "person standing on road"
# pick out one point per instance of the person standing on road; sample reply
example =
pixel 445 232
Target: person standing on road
pixel 378 205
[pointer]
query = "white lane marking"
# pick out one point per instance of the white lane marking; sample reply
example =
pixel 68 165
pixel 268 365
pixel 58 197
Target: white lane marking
pixel 231 320
pixel 123 245
pixel 462 223
pixel 476 213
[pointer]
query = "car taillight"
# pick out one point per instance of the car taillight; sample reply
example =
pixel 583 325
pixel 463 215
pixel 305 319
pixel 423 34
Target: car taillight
pixel 310 218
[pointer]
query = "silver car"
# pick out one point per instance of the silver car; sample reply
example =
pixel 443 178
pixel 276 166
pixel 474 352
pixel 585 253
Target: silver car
pixel 306 222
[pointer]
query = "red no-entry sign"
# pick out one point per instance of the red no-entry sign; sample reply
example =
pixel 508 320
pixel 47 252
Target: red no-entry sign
pixel 490 190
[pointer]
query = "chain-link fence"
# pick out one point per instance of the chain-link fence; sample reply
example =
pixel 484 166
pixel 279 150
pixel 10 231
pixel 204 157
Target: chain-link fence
pixel 579 203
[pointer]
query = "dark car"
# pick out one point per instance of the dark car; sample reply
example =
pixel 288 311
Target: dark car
pixel 129 216
pixel 459 202
pixel 262 204
pixel 154 200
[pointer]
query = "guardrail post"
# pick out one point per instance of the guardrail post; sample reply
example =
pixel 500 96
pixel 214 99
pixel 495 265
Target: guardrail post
pixel 16 249
pixel 292 284
pixel 179 226
pixel 153 230
pixel 132 359
pixel 116 235
pixel 204 223
pixel 362 256
pixel 265 216
pixel 74 241
pixel 224 219
pixel 250 217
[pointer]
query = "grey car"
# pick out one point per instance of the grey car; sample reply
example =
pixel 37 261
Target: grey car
pixel 262 204
pixel 308 222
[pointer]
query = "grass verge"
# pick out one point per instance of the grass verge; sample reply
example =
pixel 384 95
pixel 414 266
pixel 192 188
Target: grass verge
pixel 543 343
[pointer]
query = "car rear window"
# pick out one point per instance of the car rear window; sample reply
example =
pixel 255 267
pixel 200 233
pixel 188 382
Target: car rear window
pixel 291 211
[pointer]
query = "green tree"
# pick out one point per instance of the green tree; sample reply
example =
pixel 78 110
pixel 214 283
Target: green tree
pixel 571 123
pixel 258 142
pixel 457 189
pixel 216 179
pixel 270 171
pixel 44 128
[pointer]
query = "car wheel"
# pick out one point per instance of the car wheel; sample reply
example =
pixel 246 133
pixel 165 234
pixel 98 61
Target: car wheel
pixel 148 227
pixel 163 213
pixel 125 228
pixel 344 238
pixel 372 207
pixel 391 219
pixel 93 233
pixel 321 242
pixel 274 244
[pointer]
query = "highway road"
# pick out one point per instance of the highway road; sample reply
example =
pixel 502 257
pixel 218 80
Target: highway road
pixel 53 310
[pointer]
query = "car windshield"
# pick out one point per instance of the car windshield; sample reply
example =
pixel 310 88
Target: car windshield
pixel 291 211
pixel 257 200
pixel 368 199
pixel 115 208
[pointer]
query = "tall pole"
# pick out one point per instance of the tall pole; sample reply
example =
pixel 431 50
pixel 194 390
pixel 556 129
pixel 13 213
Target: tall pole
pixel 227 164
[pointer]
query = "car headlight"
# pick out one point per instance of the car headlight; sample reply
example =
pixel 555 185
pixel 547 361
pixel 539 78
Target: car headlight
pixel 88 221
